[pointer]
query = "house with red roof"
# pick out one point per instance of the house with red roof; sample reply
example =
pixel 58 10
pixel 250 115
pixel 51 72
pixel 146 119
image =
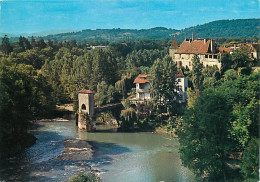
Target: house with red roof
pixel 143 87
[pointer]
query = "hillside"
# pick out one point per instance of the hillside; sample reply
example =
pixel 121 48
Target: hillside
pixel 115 34
pixel 216 29
pixel 224 28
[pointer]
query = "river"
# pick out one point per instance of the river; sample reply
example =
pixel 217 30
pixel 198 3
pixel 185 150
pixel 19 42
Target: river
pixel 120 157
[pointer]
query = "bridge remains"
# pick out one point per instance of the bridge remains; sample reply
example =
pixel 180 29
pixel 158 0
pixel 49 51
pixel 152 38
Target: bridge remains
pixel 87 110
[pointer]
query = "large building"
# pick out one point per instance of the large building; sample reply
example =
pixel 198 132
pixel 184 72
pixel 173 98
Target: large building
pixel 206 49
pixel 143 87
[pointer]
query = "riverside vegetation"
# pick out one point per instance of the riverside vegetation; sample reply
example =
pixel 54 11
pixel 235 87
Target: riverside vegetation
pixel 219 123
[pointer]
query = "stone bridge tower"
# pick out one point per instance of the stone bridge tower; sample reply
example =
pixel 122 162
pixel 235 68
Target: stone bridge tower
pixel 86 110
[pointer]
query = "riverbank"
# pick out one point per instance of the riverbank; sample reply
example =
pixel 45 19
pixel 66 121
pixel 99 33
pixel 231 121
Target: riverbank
pixel 161 130
pixel 16 144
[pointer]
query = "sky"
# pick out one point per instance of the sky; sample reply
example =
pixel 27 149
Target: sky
pixel 31 16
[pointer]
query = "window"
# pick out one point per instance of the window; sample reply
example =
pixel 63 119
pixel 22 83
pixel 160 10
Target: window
pixel 185 89
pixel 141 86
pixel 215 56
pixel 179 80
pixel 180 88
pixel 210 56
pixel 206 56
pixel 83 107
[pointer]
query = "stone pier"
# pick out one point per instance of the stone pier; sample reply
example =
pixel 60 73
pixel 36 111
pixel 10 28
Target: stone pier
pixel 86 111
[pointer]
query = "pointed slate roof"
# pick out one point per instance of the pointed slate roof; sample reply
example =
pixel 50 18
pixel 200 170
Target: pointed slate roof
pixel 174 44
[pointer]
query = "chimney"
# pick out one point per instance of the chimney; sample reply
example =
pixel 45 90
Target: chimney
pixel 192 36
pixel 205 41
pixel 211 45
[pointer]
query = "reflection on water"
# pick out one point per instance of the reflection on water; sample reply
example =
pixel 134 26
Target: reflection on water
pixel 120 156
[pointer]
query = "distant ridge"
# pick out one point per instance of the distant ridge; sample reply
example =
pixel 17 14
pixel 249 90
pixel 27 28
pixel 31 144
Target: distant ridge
pixel 224 28
pixel 221 28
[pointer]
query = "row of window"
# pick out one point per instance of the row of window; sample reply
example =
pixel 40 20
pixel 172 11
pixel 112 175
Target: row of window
pixel 206 56
pixel 211 56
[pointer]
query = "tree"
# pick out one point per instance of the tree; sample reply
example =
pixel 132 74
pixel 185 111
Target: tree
pixel 162 81
pixel 33 42
pixel 21 43
pixel 6 47
pixel 24 95
pixel 41 44
pixel 204 137
pixel 111 94
pixel 128 118
pixel 196 74
pixel 250 160
pixel 222 120
pixel 230 74
pixel 101 96
pixel 240 58
pixel 226 62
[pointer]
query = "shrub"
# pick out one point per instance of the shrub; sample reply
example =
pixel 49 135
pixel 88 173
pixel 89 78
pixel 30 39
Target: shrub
pixel 80 177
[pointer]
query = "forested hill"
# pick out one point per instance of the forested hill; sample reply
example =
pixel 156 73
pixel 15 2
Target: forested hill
pixel 221 28
pixel 224 28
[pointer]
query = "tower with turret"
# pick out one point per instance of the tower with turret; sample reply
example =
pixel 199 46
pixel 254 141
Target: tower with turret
pixel 173 48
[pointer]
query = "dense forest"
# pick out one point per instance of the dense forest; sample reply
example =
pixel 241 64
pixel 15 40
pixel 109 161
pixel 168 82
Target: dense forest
pixel 217 29
pixel 218 130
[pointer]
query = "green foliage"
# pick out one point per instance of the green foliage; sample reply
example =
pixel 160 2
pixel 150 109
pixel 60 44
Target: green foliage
pixel 80 177
pixel 128 118
pixel 240 58
pixel 143 57
pixel 162 81
pixel 6 46
pixel 250 160
pixel 101 94
pixel 226 62
pixel 209 82
pixel 223 28
pixel 104 118
pixel 204 138
pixel 196 74
pixel 192 98
pixel 124 85
pixel 222 120
pixel 230 74
pixel 24 96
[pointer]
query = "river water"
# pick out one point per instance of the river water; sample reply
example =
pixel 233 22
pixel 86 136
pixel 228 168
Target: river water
pixel 120 157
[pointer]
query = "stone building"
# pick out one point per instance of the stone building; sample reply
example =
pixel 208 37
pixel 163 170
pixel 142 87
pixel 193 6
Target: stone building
pixel 206 49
